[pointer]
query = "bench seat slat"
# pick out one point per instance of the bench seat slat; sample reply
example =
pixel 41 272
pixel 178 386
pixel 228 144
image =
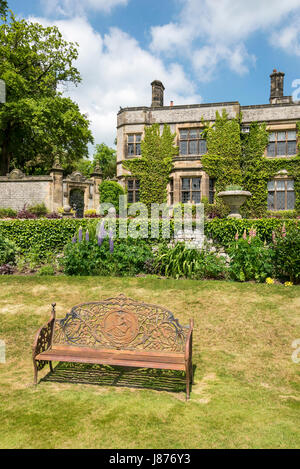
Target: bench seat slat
pixel 161 360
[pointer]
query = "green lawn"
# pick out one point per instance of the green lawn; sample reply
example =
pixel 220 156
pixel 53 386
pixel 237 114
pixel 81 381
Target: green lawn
pixel 246 392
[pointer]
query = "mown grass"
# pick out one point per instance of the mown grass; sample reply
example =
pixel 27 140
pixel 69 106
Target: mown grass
pixel 246 392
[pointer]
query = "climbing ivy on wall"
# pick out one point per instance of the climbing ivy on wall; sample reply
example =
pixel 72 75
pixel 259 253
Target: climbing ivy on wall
pixel 234 157
pixel 257 170
pixel 224 150
pixel 154 166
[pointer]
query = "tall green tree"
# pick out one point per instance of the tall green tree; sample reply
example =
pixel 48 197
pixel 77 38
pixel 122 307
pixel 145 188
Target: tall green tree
pixel 3 7
pixel 153 168
pixel 38 122
pixel 104 157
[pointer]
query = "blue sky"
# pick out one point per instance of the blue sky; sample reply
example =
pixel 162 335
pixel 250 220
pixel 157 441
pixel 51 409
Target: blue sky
pixel 202 50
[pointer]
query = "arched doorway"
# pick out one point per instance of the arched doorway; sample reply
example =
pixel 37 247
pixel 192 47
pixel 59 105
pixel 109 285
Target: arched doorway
pixel 77 202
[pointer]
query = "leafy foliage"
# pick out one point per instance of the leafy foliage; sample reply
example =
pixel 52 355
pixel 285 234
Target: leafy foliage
pixel 104 157
pixel 181 261
pixel 110 192
pixel 3 7
pixel 251 259
pixel 37 122
pixel 88 258
pixel 224 150
pixel 287 254
pixel 153 168
pixel 8 251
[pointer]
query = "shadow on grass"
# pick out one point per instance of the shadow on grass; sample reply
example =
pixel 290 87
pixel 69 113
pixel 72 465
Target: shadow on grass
pixel 160 380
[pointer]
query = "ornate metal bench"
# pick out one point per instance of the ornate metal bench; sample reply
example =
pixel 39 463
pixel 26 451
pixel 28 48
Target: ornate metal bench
pixel 117 331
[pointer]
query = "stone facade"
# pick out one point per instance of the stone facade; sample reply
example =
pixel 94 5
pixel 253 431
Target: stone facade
pixel 281 114
pixel 17 189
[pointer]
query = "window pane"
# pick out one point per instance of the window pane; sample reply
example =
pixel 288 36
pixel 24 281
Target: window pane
pixel 271 149
pixel 130 197
pixel 272 137
pixel 193 147
pixel 183 133
pixel 281 136
pixel 137 184
pixel 290 200
pixel 196 197
pixel 186 183
pixel 292 148
pixel 280 200
pixel 130 138
pixel 130 149
pixel 196 184
pixel 202 147
pixel 280 185
pixel 290 185
pixel 271 185
pixel 171 185
pixel 291 135
pixel 281 148
pixel 138 149
pixel 185 197
pixel 211 197
pixel 271 201
pixel 183 148
pixel 211 184
pixel 138 138
pixel 193 133
pixel 130 184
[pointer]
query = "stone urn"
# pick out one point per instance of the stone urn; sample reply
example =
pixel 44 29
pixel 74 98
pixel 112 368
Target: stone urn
pixel 67 212
pixel 234 199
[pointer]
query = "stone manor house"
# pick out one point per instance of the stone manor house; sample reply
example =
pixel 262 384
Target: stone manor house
pixel 188 182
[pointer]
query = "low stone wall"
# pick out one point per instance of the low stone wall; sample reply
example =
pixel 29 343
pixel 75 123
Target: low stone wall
pixel 17 190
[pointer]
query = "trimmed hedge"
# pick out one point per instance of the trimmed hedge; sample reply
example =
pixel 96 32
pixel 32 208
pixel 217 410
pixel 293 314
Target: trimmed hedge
pixel 54 234
pixel 224 230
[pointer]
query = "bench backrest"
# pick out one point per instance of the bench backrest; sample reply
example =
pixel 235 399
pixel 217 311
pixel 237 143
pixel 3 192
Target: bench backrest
pixel 120 323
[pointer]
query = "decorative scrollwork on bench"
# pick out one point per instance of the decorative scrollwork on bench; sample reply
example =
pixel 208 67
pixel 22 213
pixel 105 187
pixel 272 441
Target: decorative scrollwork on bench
pixel 121 323
pixel 44 340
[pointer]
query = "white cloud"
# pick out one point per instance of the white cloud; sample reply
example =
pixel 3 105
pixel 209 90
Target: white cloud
pixel 211 31
pixel 71 8
pixel 288 37
pixel 116 72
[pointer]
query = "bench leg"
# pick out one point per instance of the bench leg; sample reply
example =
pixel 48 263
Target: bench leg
pixel 187 383
pixel 191 373
pixel 51 367
pixel 35 373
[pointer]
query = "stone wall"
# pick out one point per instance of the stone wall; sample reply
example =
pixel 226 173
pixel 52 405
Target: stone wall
pixel 17 189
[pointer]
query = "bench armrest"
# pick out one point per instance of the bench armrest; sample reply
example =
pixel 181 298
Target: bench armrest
pixel 43 338
pixel 189 342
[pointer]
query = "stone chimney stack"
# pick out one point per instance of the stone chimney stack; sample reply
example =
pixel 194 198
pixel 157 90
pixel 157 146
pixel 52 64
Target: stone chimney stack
pixel 157 93
pixel 277 80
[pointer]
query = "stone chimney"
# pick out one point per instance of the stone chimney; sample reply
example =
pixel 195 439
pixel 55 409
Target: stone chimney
pixel 157 93
pixel 276 93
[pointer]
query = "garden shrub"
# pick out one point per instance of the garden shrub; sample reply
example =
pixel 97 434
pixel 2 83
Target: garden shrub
pixel 39 210
pixel 110 192
pixel 286 248
pixel 180 261
pixel 8 213
pixel 251 259
pixel 88 258
pixel 8 251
